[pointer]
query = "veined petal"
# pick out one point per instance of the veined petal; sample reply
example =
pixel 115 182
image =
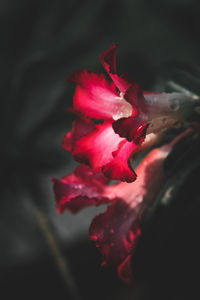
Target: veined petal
pixel 96 148
pixel 108 60
pixel 96 97
pixel 80 189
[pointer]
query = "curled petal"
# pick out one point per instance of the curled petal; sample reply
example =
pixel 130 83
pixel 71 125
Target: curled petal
pixel 108 60
pixel 96 97
pixel 80 189
pixel 133 129
pixel 115 232
pixel 96 148
pixel 120 167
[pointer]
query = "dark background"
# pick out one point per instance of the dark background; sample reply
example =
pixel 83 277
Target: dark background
pixel 42 43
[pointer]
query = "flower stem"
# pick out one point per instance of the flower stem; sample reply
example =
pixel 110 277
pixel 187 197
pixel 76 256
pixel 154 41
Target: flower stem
pixel 60 260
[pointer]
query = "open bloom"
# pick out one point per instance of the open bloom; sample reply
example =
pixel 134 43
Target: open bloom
pixel 104 146
pixel 114 118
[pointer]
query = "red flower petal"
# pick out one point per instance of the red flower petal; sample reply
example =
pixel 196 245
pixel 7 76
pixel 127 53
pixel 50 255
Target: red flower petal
pixel 120 167
pixel 108 60
pixel 96 97
pixel 134 95
pixel 133 129
pixel 81 127
pixel 80 189
pixel 96 148
pixel 102 148
pixel 115 232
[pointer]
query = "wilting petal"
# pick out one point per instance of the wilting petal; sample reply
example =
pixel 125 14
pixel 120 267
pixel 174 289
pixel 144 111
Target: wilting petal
pixel 81 127
pixel 97 98
pixel 133 129
pixel 80 189
pixel 120 166
pixel 96 148
pixel 115 232
pixel 108 60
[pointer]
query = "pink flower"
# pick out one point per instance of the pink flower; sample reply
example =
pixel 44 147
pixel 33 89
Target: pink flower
pixel 100 99
pixel 116 120
pixel 113 119
pixel 106 147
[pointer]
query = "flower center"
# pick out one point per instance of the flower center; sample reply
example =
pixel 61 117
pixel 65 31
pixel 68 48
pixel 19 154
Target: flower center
pixel 123 109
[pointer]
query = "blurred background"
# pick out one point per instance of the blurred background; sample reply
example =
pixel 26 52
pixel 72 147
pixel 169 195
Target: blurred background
pixel 44 254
